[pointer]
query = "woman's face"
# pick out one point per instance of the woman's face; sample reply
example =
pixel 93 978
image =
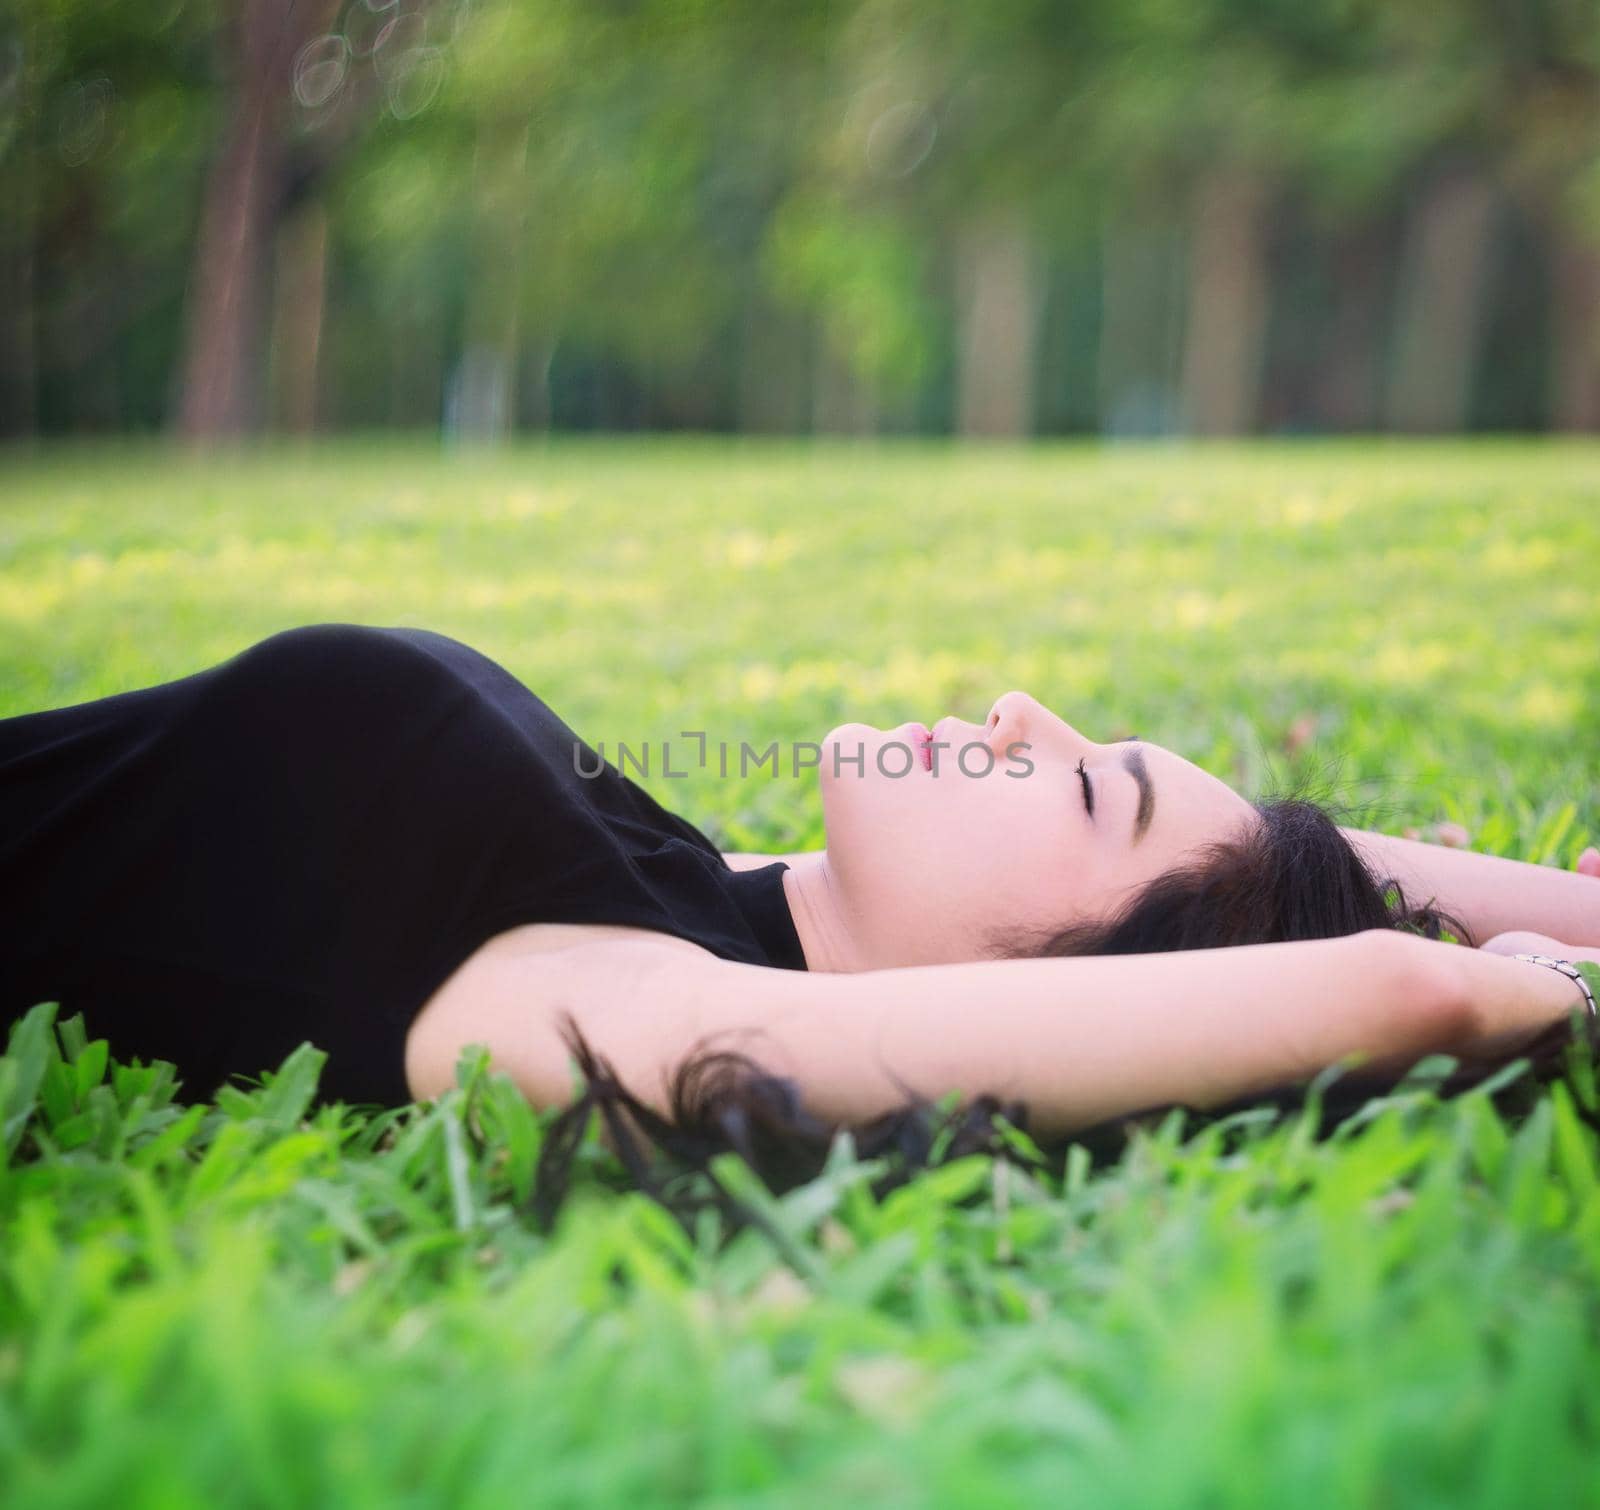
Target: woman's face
pixel 994 829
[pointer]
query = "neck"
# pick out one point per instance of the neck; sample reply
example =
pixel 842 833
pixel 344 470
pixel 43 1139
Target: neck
pixel 816 905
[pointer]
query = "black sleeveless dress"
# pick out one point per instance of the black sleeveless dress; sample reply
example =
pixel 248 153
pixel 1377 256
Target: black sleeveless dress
pixel 304 841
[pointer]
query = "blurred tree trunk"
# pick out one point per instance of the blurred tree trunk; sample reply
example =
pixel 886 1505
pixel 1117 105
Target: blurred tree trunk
pixel 19 379
pixel 1440 310
pixel 1225 331
pixel 299 300
pixel 997 317
pixel 1139 330
pixel 683 392
pixel 20 237
pixel 418 366
pixel 244 198
pixel 79 310
pixel 772 376
pixel 19 234
pixel 843 402
pixel 85 327
pixel 1574 332
pixel 1346 393
pixel 538 396
pixel 485 404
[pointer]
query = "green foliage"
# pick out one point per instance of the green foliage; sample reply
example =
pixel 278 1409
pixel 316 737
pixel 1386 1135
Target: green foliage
pixel 250 1302
pixel 866 274
pixel 641 188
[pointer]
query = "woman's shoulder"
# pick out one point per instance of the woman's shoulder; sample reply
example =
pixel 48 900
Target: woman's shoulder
pixel 344 680
pixel 338 642
pixel 341 657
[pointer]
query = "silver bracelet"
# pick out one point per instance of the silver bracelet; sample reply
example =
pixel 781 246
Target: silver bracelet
pixel 1568 969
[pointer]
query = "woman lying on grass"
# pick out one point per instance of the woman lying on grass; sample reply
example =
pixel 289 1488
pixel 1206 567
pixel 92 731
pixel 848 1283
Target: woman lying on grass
pixel 380 840
pixel 1114 932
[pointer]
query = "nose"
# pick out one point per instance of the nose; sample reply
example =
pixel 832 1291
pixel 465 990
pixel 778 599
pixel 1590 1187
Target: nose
pixel 1012 719
pixel 1016 716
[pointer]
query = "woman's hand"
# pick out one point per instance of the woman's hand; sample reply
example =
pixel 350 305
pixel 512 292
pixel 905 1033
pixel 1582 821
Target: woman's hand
pixel 1520 941
pixel 1589 862
pixel 1510 1000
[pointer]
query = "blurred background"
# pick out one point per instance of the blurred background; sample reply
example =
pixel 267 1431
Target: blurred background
pixel 991 217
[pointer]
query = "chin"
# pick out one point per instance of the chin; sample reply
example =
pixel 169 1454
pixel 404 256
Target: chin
pixel 852 737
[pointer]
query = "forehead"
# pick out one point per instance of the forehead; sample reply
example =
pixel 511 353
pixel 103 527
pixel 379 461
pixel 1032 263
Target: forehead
pixel 1190 797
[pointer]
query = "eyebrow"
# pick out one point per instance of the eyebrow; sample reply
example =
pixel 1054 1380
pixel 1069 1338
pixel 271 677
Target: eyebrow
pixel 1133 764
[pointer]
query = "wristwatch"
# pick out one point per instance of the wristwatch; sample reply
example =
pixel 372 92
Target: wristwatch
pixel 1568 969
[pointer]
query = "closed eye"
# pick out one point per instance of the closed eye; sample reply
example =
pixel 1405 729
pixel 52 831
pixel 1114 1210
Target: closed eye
pixel 1088 789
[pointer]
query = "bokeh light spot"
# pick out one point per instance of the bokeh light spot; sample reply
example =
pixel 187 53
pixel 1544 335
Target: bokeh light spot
pixel 320 69
pixel 85 114
pixel 900 140
pixel 404 34
pixel 414 82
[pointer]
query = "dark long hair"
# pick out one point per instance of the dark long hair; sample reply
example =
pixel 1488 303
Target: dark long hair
pixel 1290 875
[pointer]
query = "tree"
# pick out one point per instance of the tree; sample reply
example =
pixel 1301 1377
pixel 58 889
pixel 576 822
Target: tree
pixel 246 191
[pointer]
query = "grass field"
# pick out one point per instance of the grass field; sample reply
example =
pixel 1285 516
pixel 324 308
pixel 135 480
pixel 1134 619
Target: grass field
pixel 239 1304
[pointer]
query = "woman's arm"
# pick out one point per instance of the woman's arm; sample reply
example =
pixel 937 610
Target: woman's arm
pixel 1488 893
pixel 739 860
pixel 1078 1039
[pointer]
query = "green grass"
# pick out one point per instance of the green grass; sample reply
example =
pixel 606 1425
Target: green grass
pixel 241 1303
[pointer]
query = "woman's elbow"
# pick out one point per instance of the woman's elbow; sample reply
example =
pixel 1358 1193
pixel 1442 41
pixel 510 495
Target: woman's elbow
pixel 1429 1004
